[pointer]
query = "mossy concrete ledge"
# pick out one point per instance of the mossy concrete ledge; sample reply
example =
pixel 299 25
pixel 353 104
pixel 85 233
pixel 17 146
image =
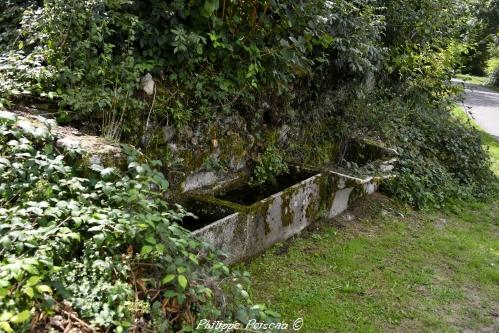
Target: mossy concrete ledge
pixel 252 229
pixel 95 149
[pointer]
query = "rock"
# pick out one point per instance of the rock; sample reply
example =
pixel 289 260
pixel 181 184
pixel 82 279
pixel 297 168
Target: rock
pixel 237 163
pixel 147 84
pixel 57 321
pixel 440 223
pixel 173 147
pixel 251 139
pixel 283 133
pixel 32 129
pixel 199 180
pixel 175 178
pixel 7 117
pixel 187 132
pixel 168 133
pixel 349 217
pixel 214 143
pixel 67 143
pixel 386 167
pixel 50 123
pixel 94 150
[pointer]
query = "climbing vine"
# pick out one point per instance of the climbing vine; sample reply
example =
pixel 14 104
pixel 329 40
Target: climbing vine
pixel 102 247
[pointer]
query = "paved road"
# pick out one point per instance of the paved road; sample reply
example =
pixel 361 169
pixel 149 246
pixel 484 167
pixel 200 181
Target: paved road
pixel 482 104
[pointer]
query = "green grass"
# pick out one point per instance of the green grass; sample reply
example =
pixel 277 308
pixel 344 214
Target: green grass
pixel 384 267
pixel 480 80
pixel 390 269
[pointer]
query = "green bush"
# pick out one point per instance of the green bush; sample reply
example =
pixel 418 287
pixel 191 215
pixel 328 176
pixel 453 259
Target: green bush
pixel 304 63
pixel 494 78
pixel 103 243
pixel 206 56
pixel 269 165
pixel 440 158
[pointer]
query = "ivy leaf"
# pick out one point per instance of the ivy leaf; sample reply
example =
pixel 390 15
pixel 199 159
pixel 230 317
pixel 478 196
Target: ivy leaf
pixel 106 172
pixel 5 327
pixel 146 249
pixel 21 317
pixel 43 288
pixel 29 291
pixel 151 240
pixel 209 7
pixel 33 280
pixel 182 281
pixel 272 313
pixel 160 247
pixel 168 278
pixel 193 258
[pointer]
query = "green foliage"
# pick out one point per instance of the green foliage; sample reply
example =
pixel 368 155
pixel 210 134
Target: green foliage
pixel 483 37
pixel 425 45
pixel 106 242
pixel 440 158
pixel 494 78
pixel 206 57
pixel 269 165
pixel 273 62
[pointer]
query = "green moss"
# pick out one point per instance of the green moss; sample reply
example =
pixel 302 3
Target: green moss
pixel 267 227
pixel 209 198
pixel 356 193
pixel 194 159
pixel 350 182
pixel 312 211
pixel 259 210
pixel 232 146
pixel 328 185
pixel 287 216
pixel 241 229
pixel 320 149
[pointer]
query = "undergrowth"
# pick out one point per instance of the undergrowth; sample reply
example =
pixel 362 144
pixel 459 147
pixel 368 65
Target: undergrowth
pixel 101 247
pixel 440 158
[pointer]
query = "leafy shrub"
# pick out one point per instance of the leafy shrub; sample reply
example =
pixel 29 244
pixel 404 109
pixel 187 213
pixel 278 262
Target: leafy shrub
pixel 269 165
pixel 273 62
pixel 104 241
pixel 206 56
pixel 494 78
pixel 440 158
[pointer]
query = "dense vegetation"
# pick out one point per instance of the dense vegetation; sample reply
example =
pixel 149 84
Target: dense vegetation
pixel 484 37
pixel 106 242
pixel 375 68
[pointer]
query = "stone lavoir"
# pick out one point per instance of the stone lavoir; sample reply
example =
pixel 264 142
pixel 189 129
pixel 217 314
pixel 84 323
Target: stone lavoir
pixel 236 217
pixel 241 221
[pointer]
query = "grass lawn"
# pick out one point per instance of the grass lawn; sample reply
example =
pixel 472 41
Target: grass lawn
pixel 384 267
pixel 477 80
pixel 480 80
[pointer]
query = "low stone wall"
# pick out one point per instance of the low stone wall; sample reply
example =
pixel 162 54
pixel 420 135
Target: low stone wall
pixel 95 149
pixel 253 229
